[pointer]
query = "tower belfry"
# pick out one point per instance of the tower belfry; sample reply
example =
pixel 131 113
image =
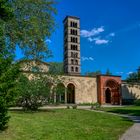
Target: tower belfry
pixel 72 45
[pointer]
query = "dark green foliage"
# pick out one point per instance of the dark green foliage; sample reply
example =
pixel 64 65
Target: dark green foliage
pixel 8 70
pixel 134 77
pixel 6 11
pixel 33 93
pixel 108 72
pixel 4 118
pixel 56 68
pixel 32 24
pixel 95 106
pixel 8 75
pixel 137 102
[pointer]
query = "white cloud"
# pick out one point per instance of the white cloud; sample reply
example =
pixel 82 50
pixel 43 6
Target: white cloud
pixel 93 32
pixel 130 72
pixel 91 58
pixel 90 39
pixel 99 41
pixel 120 73
pixel 112 34
pixel 48 41
pixel 87 58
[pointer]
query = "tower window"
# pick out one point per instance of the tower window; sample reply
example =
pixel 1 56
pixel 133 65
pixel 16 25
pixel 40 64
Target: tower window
pixel 76 69
pixel 76 55
pixel 73 24
pixel 74 39
pixel 73 32
pixel 72 54
pixel 76 62
pixel 72 69
pixel 72 62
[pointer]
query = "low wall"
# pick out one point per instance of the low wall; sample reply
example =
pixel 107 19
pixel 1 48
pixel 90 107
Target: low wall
pixel 85 88
pixel 130 91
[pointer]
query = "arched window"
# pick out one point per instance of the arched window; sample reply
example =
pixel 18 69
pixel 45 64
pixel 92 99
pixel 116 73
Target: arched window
pixel 72 62
pixel 70 93
pixel 76 62
pixel 60 93
pixel 72 69
pixel 76 69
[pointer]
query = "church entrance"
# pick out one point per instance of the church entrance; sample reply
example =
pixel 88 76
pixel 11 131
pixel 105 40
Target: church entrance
pixel 70 94
pixel 112 92
pixel 108 96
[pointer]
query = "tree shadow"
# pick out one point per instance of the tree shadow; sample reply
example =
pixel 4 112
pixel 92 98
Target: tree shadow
pixel 132 112
pixel 21 111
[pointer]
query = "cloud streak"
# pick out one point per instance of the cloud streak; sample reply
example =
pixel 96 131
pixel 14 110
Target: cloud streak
pixel 48 41
pixel 87 58
pixel 93 32
pixel 98 41
pixel 94 36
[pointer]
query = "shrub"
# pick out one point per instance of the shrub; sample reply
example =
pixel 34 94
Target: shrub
pixel 137 102
pixel 74 106
pixel 32 93
pixel 68 107
pixel 4 118
pixel 95 106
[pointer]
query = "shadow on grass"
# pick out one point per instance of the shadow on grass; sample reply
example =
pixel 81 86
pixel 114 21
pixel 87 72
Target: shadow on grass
pixel 21 111
pixel 126 111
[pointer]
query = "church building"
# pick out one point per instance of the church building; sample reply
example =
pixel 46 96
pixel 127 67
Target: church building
pixel 103 89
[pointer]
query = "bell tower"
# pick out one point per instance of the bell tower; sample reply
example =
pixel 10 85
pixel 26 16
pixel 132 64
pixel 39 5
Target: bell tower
pixel 72 45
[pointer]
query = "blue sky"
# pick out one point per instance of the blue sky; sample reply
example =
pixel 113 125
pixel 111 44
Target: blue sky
pixel 110 34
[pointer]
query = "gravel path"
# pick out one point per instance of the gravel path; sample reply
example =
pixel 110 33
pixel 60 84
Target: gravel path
pixel 133 133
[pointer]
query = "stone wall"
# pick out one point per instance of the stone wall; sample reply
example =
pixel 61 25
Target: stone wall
pixel 85 88
pixel 130 91
pixel 30 65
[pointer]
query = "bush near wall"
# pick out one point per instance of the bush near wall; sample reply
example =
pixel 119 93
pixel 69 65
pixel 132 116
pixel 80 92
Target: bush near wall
pixel 137 102
pixel 128 101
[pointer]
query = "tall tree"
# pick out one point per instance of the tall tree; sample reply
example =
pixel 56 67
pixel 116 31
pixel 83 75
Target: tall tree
pixel 108 72
pixel 33 22
pixel 8 70
pixel 134 77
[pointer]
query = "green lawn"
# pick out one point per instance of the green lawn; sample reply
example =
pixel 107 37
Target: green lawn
pixel 131 110
pixel 66 124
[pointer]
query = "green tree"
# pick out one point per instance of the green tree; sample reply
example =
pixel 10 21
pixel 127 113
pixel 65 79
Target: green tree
pixel 108 72
pixel 32 24
pixel 33 93
pixel 56 68
pixel 37 91
pixel 8 70
pixel 134 77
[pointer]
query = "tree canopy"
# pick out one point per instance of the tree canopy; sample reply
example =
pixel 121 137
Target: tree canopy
pixel 134 77
pixel 33 22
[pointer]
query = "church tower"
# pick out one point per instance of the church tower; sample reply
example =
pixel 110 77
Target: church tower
pixel 72 45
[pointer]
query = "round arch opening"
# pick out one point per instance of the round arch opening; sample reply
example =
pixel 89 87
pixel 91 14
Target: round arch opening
pixel 60 93
pixel 108 96
pixel 70 94
pixel 112 92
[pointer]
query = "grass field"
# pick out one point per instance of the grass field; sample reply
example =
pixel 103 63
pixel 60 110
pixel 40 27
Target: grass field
pixel 131 110
pixel 64 124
